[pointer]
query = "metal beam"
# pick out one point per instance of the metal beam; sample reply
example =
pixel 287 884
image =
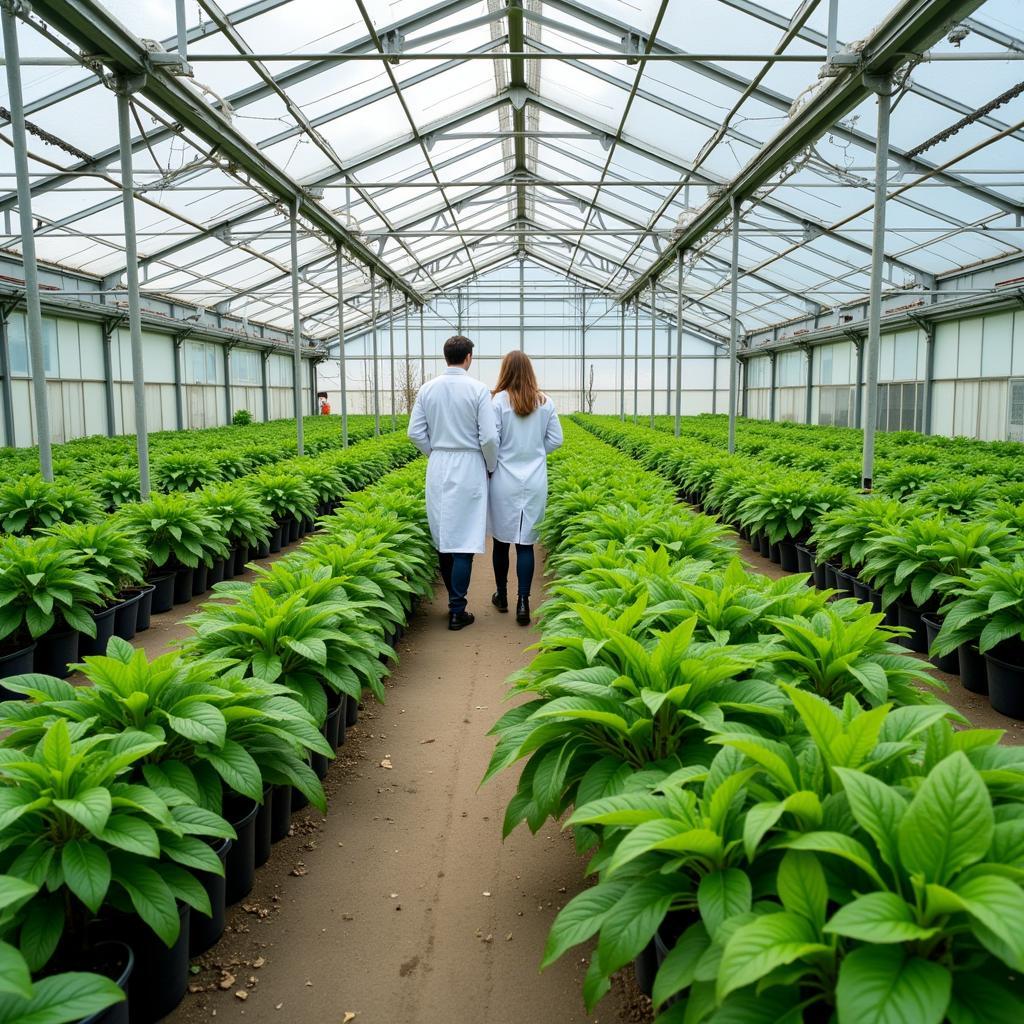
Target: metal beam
pixel 93 28
pixel 296 333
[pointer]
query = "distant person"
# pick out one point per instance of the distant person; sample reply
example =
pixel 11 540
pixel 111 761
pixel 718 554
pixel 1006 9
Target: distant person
pixel 325 407
pixel 452 423
pixel 529 430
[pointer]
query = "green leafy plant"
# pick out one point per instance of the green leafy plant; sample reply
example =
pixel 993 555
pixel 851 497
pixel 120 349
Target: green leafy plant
pixel 31 503
pixel 116 486
pixel 285 494
pixel 241 516
pixel 43 585
pixel 106 549
pixel 89 839
pixel 173 529
pixel 790 506
pixel 184 471
pixel 987 607
pixel 241 418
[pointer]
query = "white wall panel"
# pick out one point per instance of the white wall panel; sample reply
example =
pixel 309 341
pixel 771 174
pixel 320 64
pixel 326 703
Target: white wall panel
pixel 992 411
pixel 969 353
pixel 997 345
pixel 965 413
pixel 947 337
pixel 943 400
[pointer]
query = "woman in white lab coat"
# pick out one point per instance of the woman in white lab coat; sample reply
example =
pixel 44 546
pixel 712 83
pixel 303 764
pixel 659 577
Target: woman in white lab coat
pixel 528 430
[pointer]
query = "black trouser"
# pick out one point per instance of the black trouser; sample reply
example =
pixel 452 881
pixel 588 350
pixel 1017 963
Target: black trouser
pixel 456 569
pixel 524 566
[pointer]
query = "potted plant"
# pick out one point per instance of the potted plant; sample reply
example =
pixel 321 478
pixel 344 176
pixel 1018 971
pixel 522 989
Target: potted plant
pixel 184 471
pixel 288 497
pixel 46 594
pixel 243 519
pixel 31 503
pixel 114 555
pixel 921 559
pixel 116 486
pixel 987 609
pixel 175 533
pixel 103 845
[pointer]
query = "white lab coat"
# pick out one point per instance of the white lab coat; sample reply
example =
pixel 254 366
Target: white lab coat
pixel 452 423
pixel 519 487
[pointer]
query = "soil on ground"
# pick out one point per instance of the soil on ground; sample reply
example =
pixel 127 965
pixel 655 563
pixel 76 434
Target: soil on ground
pixel 403 905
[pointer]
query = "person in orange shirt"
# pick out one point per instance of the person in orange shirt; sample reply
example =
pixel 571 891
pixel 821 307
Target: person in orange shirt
pixel 325 408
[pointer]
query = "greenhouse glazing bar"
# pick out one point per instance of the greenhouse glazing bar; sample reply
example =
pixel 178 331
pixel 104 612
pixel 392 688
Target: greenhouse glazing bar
pixel 373 334
pixel 622 362
pixel 654 350
pixel 391 359
pixel 679 343
pixel 734 326
pixel 33 308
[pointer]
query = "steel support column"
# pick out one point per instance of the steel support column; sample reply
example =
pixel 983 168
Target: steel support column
pixel 654 347
pixel 522 306
pixel 636 357
pixel 929 377
pixel 33 310
pixel 746 396
pixel 131 254
pixel 622 363
pixel 342 372
pixel 858 397
pixel 875 290
pixel 407 370
pixel 314 405
pixel 107 333
pixel 423 350
pixel 373 335
pixel 5 383
pixel 714 384
pixel 227 384
pixel 679 344
pixel 264 386
pixel 734 323
pixel 391 357
pixel 296 330
pixel 771 386
pixel 809 385
pixel 583 351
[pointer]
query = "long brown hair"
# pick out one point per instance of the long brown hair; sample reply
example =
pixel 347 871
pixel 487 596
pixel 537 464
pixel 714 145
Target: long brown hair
pixel 516 376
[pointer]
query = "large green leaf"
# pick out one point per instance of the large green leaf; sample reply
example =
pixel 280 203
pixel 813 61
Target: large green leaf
pixel 802 887
pixel 633 920
pixel 61 999
pixel 151 897
pixel 721 894
pixel 878 917
pixel 758 947
pixel 14 975
pixel 237 768
pixel 198 721
pixel 880 985
pixel 86 871
pixel 581 917
pixel 949 823
pixel 90 808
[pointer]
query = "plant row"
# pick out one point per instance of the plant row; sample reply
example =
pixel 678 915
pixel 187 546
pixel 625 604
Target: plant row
pixel 135 808
pixel 945 560
pixel 72 584
pixel 784 822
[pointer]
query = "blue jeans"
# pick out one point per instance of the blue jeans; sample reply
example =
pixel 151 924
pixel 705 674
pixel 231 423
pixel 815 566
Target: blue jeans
pixel 456 569
pixel 524 566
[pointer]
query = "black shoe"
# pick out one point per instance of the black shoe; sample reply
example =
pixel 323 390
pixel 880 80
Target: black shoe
pixel 500 600
pixel 523 610
pixel 459 620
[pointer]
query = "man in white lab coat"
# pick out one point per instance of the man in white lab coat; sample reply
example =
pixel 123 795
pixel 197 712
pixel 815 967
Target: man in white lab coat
pixel 453 424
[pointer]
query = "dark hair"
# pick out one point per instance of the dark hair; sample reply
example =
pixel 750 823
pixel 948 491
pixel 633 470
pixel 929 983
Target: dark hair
pixel 456 349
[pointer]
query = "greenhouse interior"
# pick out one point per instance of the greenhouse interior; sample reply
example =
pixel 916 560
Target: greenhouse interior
pixel 714 310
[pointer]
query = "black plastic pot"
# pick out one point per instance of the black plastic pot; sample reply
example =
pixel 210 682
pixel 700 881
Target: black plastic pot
pixel 163 592
pixel 104 631
pixel 910 617
pixel 240 867
pixel 773 553
pixel 126 616
pixel 55 651
pixel 351 712
pixel 229 564
pixel 280 812
pixel 294 529
pixel 844 583
pixel 948 662
pixel 788 556
pixel 262 550
pixel 299 800
pixel 831 580
pixel 319 763
pixel 241 557
pixel 116 961
pixel 183 585
pixel 263 828
pixel 200 579
pixel 160 977
pixel 335 714
pixel 804 558
pixel 275 540
pixel 215 574
pixel 145 608
pixel 1005 686
pixel 668 934
pixel 861 590
pixel 16 663
pixel 764 545
pixel 645 967
pixel 204 931
pixel 973 669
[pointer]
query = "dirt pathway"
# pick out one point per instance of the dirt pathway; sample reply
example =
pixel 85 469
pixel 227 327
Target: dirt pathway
pixel 403 906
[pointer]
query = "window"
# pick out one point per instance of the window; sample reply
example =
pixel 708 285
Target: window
pixel 245 366
pixel 17 344
pixel 837 406
pixel 900 406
